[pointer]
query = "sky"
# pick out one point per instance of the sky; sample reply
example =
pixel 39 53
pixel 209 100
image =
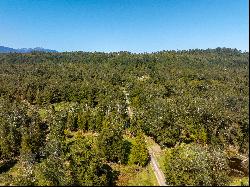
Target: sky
pixel 124 25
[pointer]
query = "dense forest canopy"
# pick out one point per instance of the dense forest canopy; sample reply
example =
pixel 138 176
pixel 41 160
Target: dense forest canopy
pixel 63 115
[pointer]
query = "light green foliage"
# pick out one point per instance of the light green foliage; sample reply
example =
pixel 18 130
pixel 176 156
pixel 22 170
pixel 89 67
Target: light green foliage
pixel 240 182
pixel 192 164
pixel 145 177
pixel 134 175
pixel 139 153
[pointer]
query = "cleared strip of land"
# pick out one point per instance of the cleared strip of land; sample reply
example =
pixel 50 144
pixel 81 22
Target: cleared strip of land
pixel 158 173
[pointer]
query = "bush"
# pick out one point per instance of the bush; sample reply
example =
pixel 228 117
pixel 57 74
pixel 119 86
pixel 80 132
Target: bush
pixel 139 153
pixel 193 164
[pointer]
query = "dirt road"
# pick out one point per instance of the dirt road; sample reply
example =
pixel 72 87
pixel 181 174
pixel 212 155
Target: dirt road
pixel 153 149
pixel 157 171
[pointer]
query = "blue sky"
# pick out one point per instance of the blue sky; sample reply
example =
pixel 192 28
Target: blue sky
pixel 124 25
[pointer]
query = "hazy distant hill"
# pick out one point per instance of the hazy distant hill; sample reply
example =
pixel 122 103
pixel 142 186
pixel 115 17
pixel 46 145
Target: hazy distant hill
pixel 4 49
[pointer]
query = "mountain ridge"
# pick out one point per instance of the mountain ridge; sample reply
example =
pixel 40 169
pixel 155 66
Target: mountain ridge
pixel 4 49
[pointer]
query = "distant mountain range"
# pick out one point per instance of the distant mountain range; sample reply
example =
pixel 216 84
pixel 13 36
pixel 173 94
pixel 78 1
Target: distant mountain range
pixel 4 49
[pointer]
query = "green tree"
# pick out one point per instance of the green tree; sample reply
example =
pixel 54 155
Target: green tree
pixel 111 144
pixel 139 153
pixel 192 164
pixel 86 164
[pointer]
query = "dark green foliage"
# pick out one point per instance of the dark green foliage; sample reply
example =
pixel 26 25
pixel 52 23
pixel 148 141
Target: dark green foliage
pixel 87 167
pixel 111 144
pixel 72 118
pixel 52 172
pixel 21 131
pixel 83 120
pixel 189 96
pixel 12 117
pixel 33 137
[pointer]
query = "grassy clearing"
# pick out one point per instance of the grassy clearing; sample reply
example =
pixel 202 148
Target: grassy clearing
pixel 240 182
pixel 150 142
pixel 43 112
pixel 145 177
pixel 158 152
pixel 6 179
pixel 63 105
pixel 133 175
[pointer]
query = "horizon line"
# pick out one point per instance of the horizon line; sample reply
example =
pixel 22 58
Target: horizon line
pixel 133 52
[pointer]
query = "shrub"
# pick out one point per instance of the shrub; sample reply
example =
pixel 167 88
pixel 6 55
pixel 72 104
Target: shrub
pixel 139 153
pixel 193 164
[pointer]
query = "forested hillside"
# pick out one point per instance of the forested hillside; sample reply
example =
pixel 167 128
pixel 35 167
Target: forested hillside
pixel 64 117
